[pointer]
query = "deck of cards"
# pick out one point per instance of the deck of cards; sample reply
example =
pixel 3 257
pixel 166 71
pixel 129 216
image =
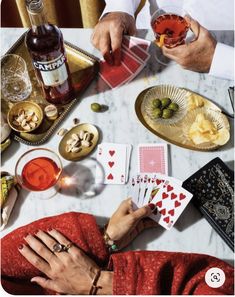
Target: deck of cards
pixel 113 161
pixel 167 193
pixel 134 54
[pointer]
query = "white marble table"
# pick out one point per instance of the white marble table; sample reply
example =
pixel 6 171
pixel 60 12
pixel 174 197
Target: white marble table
pixel 119 124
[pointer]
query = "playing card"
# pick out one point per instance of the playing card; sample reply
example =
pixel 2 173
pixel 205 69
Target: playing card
pixel 134 191
pixel 114 76
pixel 128 157
pixel 131 41
pixel 157 181
pixel 152 158
pixel 171 200
pixel 112 159
pixel 134 65
pixel 143 186
pixel 137 52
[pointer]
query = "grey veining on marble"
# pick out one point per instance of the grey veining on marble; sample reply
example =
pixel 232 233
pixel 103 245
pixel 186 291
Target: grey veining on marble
pixel 119 124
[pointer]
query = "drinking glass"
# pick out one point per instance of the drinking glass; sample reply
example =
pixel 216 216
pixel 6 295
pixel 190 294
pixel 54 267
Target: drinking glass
pixel 170 29
pixel 39 170
pixel 15 82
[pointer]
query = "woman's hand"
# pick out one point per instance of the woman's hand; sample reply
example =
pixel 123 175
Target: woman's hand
pixel 125 224
pixel 68 272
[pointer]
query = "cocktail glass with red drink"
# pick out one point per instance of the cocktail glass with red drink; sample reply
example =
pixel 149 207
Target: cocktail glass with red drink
pixel 39 171
pixel 170 25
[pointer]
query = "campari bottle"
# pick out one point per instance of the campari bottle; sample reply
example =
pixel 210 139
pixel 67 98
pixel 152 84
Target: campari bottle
pixel 45 44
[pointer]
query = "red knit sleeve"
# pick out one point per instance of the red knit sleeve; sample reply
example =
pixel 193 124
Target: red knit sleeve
pixel 166 273
pixel 79 228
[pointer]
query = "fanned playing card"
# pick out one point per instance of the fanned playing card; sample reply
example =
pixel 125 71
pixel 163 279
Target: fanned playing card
pixel 171 200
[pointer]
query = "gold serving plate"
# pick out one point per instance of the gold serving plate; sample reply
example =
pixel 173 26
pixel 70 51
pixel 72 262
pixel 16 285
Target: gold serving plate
pixel 85 150
pixel 83 67
pixel 177 133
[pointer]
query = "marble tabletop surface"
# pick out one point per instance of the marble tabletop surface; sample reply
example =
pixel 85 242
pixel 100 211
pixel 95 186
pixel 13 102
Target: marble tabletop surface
pixel 119 124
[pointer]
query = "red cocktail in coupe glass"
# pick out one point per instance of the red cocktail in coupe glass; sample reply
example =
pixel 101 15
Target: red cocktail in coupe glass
pixel 170 28
pixel 39 171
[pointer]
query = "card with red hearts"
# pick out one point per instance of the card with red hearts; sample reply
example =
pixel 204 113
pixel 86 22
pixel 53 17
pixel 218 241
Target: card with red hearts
pixel 170 200
pixel 113 163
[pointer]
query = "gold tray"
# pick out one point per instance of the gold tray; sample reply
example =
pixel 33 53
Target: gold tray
pixel 177 133
pixel 83 67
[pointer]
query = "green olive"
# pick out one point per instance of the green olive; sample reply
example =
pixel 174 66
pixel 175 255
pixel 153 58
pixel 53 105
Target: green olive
pixel 156 103
pixel 165 102
pixel 157 113
pixel 167 113
pixel 173 106
pixel 96 107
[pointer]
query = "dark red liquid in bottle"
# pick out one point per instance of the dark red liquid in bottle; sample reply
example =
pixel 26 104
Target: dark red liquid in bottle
pixel 45 44
pixel 40 174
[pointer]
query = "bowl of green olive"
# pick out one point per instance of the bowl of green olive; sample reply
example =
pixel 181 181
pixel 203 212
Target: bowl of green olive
pixel 165 104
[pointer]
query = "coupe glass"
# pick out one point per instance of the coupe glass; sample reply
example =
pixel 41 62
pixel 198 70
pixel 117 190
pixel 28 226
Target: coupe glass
pixel 170 29
pixel 15 82
pixel 39 171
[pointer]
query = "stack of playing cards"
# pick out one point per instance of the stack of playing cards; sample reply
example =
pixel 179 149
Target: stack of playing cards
pixel 113 163
pixel 167 193
pixel 134 53
pixel 152 158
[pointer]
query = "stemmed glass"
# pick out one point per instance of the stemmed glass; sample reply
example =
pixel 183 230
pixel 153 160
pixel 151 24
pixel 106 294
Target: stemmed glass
pixel 170 28
pixel 39 171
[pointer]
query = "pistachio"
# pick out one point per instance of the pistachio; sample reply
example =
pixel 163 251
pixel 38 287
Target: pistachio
pixel 87 136
pixel 24 122
pixel 85 143
pixel 76 149
pixel 34 118
pixel 81 134
pixel 68 148
pixel 32 125
pixel 27 127
pixel 62 132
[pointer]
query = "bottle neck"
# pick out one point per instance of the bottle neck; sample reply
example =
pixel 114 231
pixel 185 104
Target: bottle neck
pixel 38 19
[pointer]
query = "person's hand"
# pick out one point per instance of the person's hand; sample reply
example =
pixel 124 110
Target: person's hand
pixel 107 35
pixel 196 55
pixel 125 224
pixel 68 272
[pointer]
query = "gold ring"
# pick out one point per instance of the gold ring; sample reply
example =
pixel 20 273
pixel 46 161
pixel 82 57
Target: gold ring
pixel 58 247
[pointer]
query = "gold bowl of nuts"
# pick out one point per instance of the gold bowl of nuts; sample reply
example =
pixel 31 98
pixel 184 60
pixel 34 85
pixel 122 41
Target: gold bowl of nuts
pixel 79 142
pixel 25 116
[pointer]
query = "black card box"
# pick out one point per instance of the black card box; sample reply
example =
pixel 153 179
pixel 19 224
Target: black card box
pixel 213 194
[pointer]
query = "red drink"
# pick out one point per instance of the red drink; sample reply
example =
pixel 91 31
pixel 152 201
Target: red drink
pixel 170 30
pixel 45 44
pixel 40 174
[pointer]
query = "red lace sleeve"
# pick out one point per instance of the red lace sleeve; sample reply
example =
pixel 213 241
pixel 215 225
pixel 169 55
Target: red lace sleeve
pixel 166 273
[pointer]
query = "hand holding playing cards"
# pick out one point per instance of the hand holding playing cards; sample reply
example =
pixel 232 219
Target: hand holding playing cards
pixel 107 36
pixel 125 224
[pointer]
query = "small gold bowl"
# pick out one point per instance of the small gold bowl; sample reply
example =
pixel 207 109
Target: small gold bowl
pixel 26 106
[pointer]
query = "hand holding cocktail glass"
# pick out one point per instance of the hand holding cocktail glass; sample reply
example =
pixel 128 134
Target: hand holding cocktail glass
pixel 171 28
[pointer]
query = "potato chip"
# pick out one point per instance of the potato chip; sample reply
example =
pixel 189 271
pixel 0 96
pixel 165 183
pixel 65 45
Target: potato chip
pixel 203 130
pixel 195 101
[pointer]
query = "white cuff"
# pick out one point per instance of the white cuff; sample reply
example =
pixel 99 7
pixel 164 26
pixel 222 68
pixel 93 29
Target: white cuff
pixel 222 64
pixel 128 6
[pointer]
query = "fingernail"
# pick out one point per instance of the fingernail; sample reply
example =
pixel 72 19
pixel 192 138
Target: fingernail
pixel 20 246
pixel 152 206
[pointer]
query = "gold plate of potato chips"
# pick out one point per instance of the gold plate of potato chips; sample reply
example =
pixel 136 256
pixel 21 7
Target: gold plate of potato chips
pixel 183 118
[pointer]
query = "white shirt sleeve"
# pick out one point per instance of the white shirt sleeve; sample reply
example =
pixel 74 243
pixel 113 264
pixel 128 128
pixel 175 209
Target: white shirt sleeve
pixel 128 6
pixel 222 65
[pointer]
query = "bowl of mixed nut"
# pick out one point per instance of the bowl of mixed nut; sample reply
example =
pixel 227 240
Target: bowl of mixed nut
pixel 25 116
pixel 79 142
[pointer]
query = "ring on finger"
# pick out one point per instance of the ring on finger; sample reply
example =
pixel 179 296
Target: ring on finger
pixel 58 247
